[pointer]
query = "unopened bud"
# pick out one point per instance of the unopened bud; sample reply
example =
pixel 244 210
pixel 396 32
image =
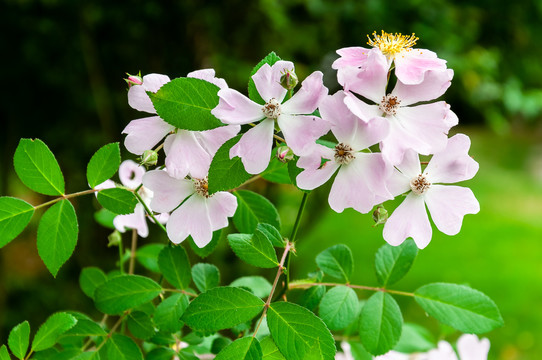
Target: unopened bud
pixel 149 158
pixel 284 154
pixel 114 239
pixel 289 79
pixel 134 79
pixel 380 215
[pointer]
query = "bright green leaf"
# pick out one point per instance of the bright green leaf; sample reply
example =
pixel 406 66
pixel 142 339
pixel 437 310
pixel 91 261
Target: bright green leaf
pixel 222 308
pixel 207 249
pixel 415 338
pixel 160 354
pixel 254 249
pixel 120 347
pixel 15 214
pixel 103 164
pixel 37 167
pixel 147 255
pixel 257 284
pixel 337 261
pixel 174 264
pixel 219 343
pixel 117 200
pixel 140 325
pixel 247 348
pixel 253 94
pixel 4 354
pixel 253 208
pixel 276 171
pixel 271 233
pixel 105 218
pixel 48 333
pixel 381 323
pixel 460 307
pixel 225 173
pixel 311 297
pixel 270 351
pixel 90 279
pixel 84 328
pixel 167 316
pixel 125 292
pixel 339 307
pixel 57 235
pixel 393 262
pixel 186 103
pixel 298 333
pixel 205 276
pixel 18 339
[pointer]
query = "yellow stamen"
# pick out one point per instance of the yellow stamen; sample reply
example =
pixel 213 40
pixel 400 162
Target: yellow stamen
pixel 391 44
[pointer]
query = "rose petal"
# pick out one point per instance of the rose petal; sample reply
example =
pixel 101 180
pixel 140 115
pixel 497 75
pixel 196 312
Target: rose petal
pixel 470 348
pixel 212 140
pixel 168 192
pixel 433 86
pixel 361 109
pixel 235 108
pixel 191 218
pixel 315 173
pixel 209 76
pixel 267 80
pixel 137 95
pixel 254 148
pixel 153 82
pixel 302 131
pixel 221 206
pixel 131 174
pixel 412 65
pixel 453 164
pixel 134 221
pixel 443 352
pixel 410 166
pixel 350 56
pixel 370 80
pixel 308 97
pixel 185 155
pixel 144 134
pixel 107 184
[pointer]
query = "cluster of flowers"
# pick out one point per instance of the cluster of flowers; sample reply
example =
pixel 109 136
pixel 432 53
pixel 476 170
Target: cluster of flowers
pixel 363 117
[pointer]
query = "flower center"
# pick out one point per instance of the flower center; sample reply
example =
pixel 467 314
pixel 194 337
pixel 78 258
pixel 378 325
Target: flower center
pixel 202 187
pixel 271 109
pixel 344 154
pixel 391 44
pixel 389 104
pixel 420 184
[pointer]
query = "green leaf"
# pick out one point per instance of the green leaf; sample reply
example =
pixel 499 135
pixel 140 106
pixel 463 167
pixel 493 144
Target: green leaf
pixel 120 347
pixel 15 214
pixel 186 103
pixel 37 167
pixel 415 338
pixel 125 292
pixel 167 316
pixel 336 261
pixel 270 351
pixel 253 94
pixel 225 173
pixel 117 200
pixel 271 233
pixel 205 276
pixel 311 297
pixel 18 339
pixel 147 255
pixel 90 279
pixel 207 249
pixel 48 333
pixel 339 307
pixel 103 164
pixel 140 325
pixel 247 348
pixel 105 218
pixel 57 235
pixel 160 354
pixel 257 284
pixel 174 264
pixel 459 306
pixel 393 262
pixel 219 343
pixel 4 354
pixel 84 328
pixel 293 171
pixel 252 209
pixel 298 333
pixel 381 323
pixel 276 171
pixel 254 249
pixel 221 308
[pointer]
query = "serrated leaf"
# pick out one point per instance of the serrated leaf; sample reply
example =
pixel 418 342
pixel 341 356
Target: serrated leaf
pixel 15 214
pixel 48 333
pixel 18 339
pixel 120 347
pixel 186 103
pixel 167 316
pixel 253 94
pixel 125 292
pixel 57 235
pixel 247 348
pixel 277 172
pixel 381 323
pixel 270 351
pixel 253 208
pixel 103 164
pixel 337 261
pixel 147 255
pixel 207 249
pixel 160 354
pixel 4 354
pixel 297 332
pixel 393 262
pixel 174 265
pixel 90 279
pixel 460 307
pixel 117 200
pixel 339 307
pixel 271 233
pixel 254 249
pixel 222 308
pixel 311 297
pixel 205 276
pixel 84 328
pixel 257 284
pixel 225 173
pixel 37 167
pixel 140 325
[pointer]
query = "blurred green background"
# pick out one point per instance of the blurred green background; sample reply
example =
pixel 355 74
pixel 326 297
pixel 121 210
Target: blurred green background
pixel 63 63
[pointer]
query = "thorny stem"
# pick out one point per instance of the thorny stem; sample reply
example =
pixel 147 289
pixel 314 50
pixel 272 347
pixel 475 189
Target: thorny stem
pixel 303 285
pixel 131 266
pixel 86 192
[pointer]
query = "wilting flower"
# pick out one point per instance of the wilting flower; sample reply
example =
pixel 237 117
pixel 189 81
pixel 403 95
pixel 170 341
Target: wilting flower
pixel 447 204
pixel 300 129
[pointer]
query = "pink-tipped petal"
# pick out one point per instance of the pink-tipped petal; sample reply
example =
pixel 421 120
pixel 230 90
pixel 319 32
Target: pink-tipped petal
pixel 191 218
pixel 236 109
pixel 453 164
pixel 144 134
pixel 308 97
pixel 370 80
pixel 221 206
pixel 131 174
pixel 302 131
pixel 212 140
pixel 350 56
pixel 412 65
pixel 134 221
pixel 267 80
pixel 168 192
pixel 448 205
pixel 254 148
pixel 409 220
pixel 209 76
pixel 470 347
pixel 361 109
pixel 433 86
pixel 185 155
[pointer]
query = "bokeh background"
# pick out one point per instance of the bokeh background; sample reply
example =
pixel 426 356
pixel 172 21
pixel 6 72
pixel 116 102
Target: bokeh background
pixel 62 65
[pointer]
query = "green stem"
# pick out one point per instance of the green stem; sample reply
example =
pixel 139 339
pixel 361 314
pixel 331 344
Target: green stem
pixel 86 192
pixel 298 218
pixel 148 211
pixel 303 285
